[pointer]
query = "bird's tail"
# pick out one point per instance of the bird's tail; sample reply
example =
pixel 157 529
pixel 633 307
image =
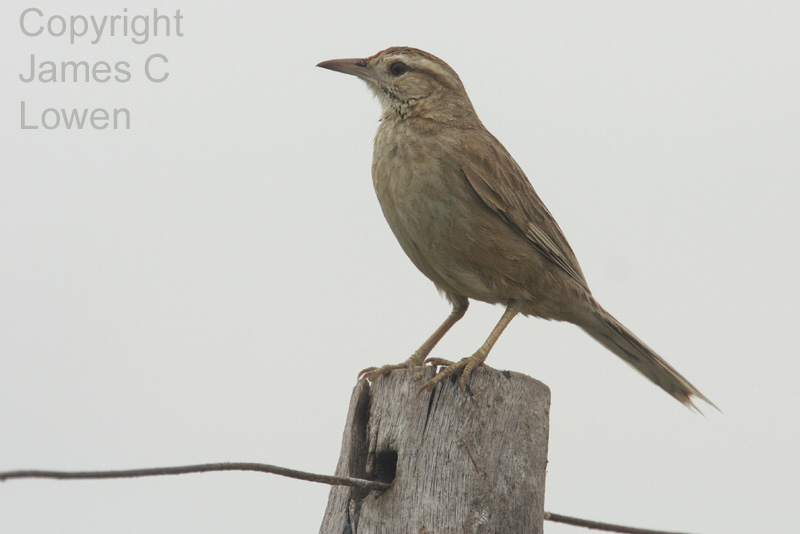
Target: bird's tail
pixel 622 342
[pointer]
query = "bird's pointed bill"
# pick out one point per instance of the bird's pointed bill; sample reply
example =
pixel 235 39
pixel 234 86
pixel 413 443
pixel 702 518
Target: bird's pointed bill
pixel 353 66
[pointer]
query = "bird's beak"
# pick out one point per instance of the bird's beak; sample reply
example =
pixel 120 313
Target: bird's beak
pixel 356 67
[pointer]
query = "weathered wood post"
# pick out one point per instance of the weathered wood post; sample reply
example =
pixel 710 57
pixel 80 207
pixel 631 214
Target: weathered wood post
pixel 458 463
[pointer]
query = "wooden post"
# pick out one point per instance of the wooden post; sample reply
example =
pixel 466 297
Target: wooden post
pixel 458 463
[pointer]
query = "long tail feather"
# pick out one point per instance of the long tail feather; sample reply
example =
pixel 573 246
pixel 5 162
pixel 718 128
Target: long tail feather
pixel 622 342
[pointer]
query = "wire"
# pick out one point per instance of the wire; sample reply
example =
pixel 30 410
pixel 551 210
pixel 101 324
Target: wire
pixel 198 468
pixel 283 471
pixel 597 525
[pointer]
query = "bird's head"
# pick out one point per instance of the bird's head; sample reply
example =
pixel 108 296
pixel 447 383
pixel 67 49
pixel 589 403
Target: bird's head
pixel 410 83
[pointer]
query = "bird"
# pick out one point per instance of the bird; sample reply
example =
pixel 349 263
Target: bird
pixel 468 218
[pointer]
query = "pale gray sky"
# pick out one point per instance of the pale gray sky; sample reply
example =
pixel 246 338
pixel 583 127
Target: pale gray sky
pixel 206 285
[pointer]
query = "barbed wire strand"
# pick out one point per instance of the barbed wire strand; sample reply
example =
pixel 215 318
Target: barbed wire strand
pixel 198 468
pixel 597 525
pixel 285 472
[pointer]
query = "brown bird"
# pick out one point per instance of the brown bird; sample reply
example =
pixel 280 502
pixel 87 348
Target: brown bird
pixel 469 219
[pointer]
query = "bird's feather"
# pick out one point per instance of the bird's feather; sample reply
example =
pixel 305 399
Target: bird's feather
pixel 502 185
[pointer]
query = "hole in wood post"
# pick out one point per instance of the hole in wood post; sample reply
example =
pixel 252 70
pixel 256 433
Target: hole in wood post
pixel 385 466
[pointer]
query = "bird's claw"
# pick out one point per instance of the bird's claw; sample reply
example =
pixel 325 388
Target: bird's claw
pixel 364 373
pixel 465 365
pixel 439 362
pixel 373 373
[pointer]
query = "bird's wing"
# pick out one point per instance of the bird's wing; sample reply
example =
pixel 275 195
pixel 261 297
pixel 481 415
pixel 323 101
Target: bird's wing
pixel 501 184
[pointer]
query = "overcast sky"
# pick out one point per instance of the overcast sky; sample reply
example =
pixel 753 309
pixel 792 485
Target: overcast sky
pixel 205 285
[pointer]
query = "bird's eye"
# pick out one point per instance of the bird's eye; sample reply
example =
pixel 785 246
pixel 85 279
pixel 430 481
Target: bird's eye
pixel 397 68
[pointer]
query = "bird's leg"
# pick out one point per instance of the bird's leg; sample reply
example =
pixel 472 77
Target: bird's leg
pixel 470 363
pixel 460 305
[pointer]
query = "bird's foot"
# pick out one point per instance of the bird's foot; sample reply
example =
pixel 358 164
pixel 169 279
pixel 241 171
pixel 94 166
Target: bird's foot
pixel 373 373
pixel 465 365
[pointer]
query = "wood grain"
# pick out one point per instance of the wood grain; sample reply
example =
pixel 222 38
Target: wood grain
pixel 458 463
